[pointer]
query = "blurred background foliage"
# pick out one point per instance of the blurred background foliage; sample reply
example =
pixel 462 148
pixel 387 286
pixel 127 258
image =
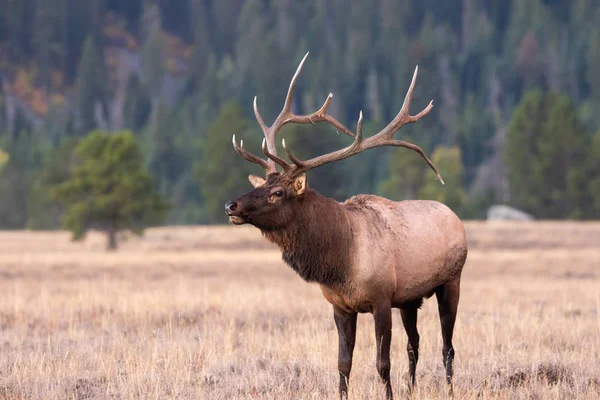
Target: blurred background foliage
pixel 108 188
pixel 515 85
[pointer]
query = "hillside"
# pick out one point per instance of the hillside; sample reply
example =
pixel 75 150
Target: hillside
pixel 166 70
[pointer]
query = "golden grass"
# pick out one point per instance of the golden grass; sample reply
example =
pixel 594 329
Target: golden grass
pixel 213 313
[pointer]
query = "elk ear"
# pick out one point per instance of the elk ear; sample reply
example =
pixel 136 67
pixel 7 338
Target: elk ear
pixel 256 181
pixel 301 185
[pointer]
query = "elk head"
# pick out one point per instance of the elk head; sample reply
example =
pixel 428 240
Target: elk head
pixel 272 203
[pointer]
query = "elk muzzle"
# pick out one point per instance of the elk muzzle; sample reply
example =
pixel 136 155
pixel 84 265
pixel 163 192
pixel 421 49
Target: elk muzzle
pixel 232 210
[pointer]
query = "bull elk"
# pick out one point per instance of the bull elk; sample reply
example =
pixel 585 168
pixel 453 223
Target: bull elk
pixel 368 254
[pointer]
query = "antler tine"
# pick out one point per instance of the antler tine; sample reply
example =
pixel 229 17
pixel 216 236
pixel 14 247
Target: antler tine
pixel 325 106
pixel 285 112
pixel 287 106
pixel 273 157
pixel 259 117
pixel 247 155
pixel 405 109
pixel 267 134
pixel 293 159
pixel 403 117
pixel 414 147
pixel 358 138
pixel 359 126
pixel 270 132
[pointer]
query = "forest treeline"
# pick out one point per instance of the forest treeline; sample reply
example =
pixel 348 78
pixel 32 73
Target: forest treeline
pixel 515 87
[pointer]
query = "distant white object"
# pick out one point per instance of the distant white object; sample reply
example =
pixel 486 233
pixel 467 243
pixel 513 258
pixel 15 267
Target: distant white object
pixel 500 212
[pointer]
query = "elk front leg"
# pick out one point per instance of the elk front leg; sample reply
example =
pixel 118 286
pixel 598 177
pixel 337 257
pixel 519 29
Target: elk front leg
pixel 383 333
pixel 346 327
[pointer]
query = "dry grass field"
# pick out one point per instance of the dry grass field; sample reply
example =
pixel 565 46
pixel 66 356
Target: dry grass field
pixel 213 313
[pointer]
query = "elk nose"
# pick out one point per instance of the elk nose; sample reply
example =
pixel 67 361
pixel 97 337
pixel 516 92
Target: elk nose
pixel 230 207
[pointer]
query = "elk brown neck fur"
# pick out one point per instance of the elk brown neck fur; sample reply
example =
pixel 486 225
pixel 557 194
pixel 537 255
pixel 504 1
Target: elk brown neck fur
pixel 317 240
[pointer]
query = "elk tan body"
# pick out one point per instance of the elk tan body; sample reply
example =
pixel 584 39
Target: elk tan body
pixel 388 257
pixel 368 254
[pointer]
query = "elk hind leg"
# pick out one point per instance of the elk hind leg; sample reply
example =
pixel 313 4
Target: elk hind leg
pixel 383 334
pixel 448 296
pixel 409 319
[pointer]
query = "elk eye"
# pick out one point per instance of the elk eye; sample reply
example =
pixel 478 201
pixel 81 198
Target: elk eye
pixel 278 193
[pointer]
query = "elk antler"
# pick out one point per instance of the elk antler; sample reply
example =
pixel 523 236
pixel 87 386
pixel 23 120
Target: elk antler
pixel 297 167
pixel 285 116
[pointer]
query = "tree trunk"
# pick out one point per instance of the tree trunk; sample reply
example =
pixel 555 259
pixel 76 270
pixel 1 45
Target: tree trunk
pixel 111 245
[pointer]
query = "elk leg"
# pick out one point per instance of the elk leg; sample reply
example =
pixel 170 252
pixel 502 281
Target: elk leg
pixel 448 296
pixel 346 327
pixel 409 319
pixel 383 333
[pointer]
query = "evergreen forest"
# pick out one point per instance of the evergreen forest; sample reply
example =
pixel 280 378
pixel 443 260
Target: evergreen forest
pixel 515 84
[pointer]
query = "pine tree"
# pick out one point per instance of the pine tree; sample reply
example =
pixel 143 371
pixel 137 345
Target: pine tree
pixel 22 160
pixel 392 67
pixel 431 53
pixel 256 47
pixel 15 28
pixel 475 130
pixel 91 86
pixel 521 154
pixel 13 208
pixel 109 189
pixel 448 160
pixel 202 39
pixel 152 55
pixel 167 148
pixel 526 16
pixel 43 211
pixel 358 58
pixel 593 178
pixel 210 96
pixel 408 174
pixel 84 19
pixel 562 146
pixel 545 157
pixel 138 107
pixel 593 56
pixel 4 157
pixel 225 14
pixel 49 37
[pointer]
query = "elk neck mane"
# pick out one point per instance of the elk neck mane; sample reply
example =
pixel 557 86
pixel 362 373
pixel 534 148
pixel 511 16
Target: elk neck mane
pixel 317 241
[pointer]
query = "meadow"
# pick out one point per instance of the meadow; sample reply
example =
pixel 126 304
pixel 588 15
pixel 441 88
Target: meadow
pixel 213 313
